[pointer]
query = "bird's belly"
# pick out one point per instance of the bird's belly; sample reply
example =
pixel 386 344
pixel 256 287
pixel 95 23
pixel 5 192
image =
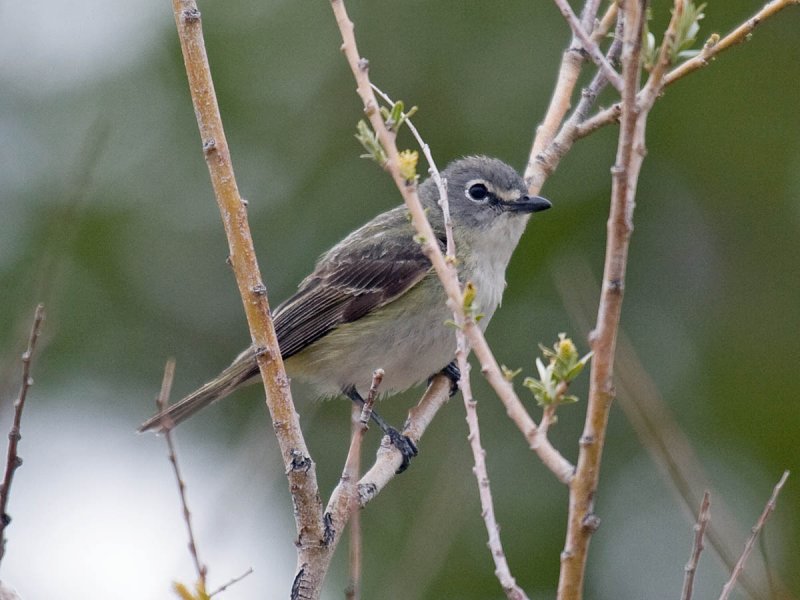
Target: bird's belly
pixel 407 338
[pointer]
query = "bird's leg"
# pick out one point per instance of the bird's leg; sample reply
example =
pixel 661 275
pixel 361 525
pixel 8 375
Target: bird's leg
pixel 452 372
pixel 402 442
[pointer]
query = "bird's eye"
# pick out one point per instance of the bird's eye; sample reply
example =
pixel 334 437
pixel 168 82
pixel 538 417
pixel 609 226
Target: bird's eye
pixel 478 191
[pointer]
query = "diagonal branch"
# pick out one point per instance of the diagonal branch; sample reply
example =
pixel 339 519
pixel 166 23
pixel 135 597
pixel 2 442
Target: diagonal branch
pixel 300 469
pixel 751 541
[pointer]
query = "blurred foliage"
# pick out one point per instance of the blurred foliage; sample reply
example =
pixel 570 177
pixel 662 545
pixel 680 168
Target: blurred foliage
pixel 108 217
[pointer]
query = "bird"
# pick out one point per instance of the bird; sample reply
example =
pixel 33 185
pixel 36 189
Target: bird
pixel 374 300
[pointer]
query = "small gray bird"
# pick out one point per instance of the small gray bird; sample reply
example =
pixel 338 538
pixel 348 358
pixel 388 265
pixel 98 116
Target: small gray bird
pixel 374 300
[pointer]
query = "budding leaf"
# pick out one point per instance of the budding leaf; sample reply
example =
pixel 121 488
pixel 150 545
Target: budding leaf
pixel 371 143
pixel 563 365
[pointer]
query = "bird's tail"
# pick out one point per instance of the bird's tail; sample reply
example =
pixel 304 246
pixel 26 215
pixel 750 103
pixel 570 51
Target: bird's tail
pixel 241 371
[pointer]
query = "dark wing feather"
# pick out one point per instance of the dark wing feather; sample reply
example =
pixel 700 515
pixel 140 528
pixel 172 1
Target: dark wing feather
pixel 341 292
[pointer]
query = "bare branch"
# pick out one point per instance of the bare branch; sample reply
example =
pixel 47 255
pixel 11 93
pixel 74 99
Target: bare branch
pixel 13 460
pixel 582 521
pixel 589 44
pixel 751 541
pixel 300 468
pixel 554 139
pixel 697 547
pixel 161 403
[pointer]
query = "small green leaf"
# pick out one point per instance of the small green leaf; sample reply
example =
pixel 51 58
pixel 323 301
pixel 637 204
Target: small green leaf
pixel 369 140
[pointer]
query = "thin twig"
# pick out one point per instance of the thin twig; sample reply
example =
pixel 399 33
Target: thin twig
pixel 535 174
pixel 748 547
pixel 502 570
pixel 589 45
pixel 300 468
pixel 350 475
pixel 161 403
pixel 353 589
pixel 589 14
pixel 13 460
pixel 433 170
pixel 697 547
pixel 225 586
pixel 344 500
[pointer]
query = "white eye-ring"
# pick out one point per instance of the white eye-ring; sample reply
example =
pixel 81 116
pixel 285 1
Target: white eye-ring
pixel 478 192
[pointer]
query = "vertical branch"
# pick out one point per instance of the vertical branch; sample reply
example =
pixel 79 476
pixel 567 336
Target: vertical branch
pixel 348 506
pixel 300 468
pixel 13 461
pixel 353 590
pixel 582 521
pixel 697 547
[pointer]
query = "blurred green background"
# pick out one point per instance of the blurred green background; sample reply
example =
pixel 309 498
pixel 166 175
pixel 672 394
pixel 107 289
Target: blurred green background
pixel 108 217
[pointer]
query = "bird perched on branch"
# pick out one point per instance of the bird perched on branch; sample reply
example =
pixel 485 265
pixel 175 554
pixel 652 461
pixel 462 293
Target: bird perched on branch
pixel 374 300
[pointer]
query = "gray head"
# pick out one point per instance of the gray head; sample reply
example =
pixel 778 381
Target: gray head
pixel 480 189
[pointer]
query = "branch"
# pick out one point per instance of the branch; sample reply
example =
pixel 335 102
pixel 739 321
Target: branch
pixel 589 44
pixel 697 547
pixel 389 458
pixel 751 541
pixel 161 403
pixel 554 138
pixel 225 586
pixel 300 468
pixel 714 45
pixel 582 521
pixel 13 461
pixel 343 505
pixel 502 571
pixel 711 49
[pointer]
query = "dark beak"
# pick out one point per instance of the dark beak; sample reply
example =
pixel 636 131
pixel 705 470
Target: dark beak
pixel 527 204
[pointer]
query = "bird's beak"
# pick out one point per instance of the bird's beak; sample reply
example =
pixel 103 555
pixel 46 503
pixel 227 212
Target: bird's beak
pixel 527 204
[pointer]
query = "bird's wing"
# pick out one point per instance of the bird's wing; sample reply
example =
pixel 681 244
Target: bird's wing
pixel 371 267
pixel 343 291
